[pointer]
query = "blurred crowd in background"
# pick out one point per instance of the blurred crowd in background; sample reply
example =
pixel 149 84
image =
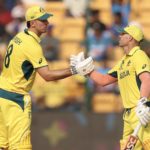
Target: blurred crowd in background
pixel 77 25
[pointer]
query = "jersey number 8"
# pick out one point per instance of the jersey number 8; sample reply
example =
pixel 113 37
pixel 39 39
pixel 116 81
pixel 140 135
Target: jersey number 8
pixel 7 57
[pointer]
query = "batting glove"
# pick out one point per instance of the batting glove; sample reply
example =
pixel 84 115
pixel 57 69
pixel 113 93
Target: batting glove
pixel 84 67
pixel 143 111
pixel 142 101
pixel 75 59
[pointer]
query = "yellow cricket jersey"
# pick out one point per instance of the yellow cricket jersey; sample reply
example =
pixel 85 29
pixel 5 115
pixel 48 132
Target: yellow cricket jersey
pixel 127 72
pixel 23 55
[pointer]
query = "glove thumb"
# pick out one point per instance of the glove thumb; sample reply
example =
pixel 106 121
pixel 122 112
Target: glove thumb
pixel 80 57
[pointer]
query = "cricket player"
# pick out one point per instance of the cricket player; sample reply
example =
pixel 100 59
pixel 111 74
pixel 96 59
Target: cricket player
pixel 132 73
pixel 24 58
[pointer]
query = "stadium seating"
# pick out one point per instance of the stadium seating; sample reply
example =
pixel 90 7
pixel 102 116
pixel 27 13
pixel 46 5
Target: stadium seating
pixel 57 93
pixel 73 29
pixel 140 12
pixel 117 53
pixel 106 103
pixel 105 10
pixel 57 9
pixel 69 47
pixel 72 34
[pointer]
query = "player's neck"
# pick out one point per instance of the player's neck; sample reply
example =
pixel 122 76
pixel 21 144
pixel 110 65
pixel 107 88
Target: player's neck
pixel 129 47
pixel 35 31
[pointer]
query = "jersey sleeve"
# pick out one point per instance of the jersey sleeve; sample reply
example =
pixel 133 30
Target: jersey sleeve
pixel 141 63
pixel 113 71
pixel 36 57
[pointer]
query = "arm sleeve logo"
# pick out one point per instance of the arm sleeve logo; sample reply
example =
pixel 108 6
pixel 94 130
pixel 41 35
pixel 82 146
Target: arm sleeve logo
pixel 144 66
pixel 40 60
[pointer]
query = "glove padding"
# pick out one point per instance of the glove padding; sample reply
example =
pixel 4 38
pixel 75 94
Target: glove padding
pixel 143 111
pixel 142 101
pixel 84 67
pixel 75 59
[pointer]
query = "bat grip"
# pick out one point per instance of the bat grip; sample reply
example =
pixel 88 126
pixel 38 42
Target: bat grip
pixel 136 130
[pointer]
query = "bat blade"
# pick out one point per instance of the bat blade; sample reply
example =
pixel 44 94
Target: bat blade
pixel 133 139
pixel 131 143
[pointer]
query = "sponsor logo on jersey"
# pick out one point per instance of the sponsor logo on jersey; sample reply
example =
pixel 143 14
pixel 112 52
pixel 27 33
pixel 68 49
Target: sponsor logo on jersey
pixel 124 74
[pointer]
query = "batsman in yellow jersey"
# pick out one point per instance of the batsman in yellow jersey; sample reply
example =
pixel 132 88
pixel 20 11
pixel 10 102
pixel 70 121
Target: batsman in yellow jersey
pixel 133 76
pixel 24 58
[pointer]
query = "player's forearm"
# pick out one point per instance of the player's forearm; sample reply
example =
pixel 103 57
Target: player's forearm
pixel 102 79
pixel 57 74
pixel 145 84
pixel 145 89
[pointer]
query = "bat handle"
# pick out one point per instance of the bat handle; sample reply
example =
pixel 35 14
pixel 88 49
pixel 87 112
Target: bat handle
pixel 137 129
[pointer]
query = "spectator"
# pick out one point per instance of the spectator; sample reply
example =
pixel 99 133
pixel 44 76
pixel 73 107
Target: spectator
pixel 76 8
pixel 17 24
pixel 94 17
pixel 51 45
pixel 117 24
pixel 9 4
pixel 99 42
pixel 5 15
pixel 123 7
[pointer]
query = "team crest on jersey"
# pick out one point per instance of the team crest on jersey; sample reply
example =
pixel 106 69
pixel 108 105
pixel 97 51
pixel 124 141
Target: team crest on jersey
pixel 40 61
pixel 121 65
pixel 129 63
pixel 144 66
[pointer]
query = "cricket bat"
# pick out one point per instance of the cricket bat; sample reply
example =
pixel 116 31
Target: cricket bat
pixel 133 139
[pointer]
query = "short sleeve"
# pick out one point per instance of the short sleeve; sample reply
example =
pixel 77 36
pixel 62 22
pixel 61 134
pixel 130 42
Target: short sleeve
pixel 36 57
pixel 141 62
pixel 114 70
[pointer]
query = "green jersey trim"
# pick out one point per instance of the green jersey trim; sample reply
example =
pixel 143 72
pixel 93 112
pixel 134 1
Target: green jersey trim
pixel 27 69
pixel 11 96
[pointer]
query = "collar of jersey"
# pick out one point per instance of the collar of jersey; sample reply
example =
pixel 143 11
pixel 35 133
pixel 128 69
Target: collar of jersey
pixel 33 35
pixel 133 50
